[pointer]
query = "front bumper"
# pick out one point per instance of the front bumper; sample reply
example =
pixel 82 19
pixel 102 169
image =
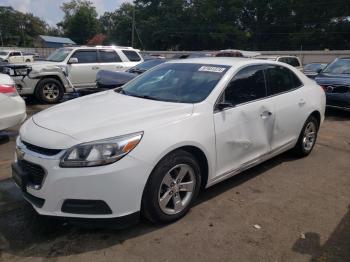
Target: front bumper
pixel 119 186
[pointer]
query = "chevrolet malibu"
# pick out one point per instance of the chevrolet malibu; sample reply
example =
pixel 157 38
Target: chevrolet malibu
pixel 150 147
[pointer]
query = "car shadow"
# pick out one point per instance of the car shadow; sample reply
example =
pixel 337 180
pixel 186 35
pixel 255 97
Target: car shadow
pixel 336 248
pixel 24 233
pixel 337 115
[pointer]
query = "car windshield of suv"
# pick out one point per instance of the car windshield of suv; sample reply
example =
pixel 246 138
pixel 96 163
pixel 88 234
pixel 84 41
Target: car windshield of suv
pixel 3 53
pixel 339 66
pixel 59 55
pixel 176 82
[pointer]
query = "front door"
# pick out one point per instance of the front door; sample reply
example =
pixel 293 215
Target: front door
pixel 83 73
pixel 243 131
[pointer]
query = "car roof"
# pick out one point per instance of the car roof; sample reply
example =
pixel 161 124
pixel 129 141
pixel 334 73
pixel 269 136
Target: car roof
pixel 225 61
pixel 103 47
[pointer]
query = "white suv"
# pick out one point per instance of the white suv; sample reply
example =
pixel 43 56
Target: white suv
pixel 79 64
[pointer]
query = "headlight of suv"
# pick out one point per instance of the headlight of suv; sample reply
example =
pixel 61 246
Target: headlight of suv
pixel 101 152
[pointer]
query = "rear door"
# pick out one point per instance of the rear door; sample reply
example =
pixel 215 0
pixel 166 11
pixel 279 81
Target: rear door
pixel 284 89
pixel 244 130
pixel 83 73
pixel 110 60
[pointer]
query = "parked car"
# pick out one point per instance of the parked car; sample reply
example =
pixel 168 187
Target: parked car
pixel 335 79
pixel 312 70
pixel 80 65
pixel 290 60
pixel 106 79
pixel 153 144
pixel 12 106
pixel 15 57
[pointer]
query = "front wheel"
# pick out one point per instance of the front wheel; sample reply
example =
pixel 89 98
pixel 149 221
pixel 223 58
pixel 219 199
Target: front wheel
pixel 49 91
pixel 307 138
pixel 172 188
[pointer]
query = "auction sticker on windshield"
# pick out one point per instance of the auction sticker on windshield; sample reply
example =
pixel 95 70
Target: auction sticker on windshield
pixel 212 69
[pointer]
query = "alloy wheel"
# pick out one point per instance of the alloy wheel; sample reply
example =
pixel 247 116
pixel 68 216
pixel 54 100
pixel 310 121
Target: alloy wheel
pixel 176 189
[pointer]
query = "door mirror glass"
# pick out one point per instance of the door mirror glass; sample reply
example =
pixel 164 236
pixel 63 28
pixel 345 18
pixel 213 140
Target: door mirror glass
pixel 73 60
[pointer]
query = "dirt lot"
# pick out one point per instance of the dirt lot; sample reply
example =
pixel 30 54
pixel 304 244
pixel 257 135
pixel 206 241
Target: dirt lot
pixel 286 209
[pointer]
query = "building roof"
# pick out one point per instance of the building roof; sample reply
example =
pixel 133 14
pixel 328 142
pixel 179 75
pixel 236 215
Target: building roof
pixel 54 39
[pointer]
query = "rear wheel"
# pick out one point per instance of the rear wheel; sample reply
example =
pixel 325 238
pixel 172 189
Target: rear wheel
pixel 307 138
pixel 49 91
pixel 172 188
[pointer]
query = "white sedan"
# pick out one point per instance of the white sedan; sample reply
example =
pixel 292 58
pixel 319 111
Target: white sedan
pixel 151 146
pixel 12 106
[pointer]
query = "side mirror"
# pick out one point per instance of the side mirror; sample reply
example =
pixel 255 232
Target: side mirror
pixel 223 105
pixel 319 70
pixel 73 60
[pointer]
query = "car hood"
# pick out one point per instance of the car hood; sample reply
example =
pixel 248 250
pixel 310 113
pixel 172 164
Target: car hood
pixel 109 114
pixel 332 79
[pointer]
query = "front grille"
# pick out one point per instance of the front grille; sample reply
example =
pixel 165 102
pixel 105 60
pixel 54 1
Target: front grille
pixel 35 173
pixel 337 89
pixel 41 150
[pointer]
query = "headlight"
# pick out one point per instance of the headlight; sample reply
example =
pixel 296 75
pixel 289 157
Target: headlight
pixel 101 152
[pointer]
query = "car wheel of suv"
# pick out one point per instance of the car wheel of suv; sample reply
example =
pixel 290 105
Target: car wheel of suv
pixel 172 188
pixel 49 91
pixel 307 138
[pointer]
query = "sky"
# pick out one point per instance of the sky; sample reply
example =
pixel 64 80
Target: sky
pixel 49 10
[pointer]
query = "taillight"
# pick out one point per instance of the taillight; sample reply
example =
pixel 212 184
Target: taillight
pixel 8 90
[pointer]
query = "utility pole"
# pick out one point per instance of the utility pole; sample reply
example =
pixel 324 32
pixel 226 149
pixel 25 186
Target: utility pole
pixel 133 27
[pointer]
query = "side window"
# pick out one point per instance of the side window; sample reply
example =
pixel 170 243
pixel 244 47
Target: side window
pixel 132 55
pixel 283 60
pixel 16 54
pixel 85 57
pixel 109 56
pixel 247 85
pixel 280 79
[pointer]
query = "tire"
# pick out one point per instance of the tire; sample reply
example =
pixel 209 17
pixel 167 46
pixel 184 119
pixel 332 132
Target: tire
pixel 307 140
pixel 178 189
pixel 49 91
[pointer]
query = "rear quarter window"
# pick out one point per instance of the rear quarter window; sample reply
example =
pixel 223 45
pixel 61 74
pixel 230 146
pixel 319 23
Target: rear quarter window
pixel 132 55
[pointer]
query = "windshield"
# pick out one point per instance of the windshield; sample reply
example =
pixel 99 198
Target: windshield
pixel 3 53
pixel 314 67
pixel 59 55
pixel 146 65
pixel 176 82
pixel 339 66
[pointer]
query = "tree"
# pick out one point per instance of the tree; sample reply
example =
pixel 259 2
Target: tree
pixel 19 29
pixel 80 22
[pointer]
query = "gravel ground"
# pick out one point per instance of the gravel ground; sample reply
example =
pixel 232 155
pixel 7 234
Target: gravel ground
pixel 286 209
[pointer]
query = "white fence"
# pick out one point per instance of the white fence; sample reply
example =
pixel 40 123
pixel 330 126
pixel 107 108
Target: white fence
pixel 305 56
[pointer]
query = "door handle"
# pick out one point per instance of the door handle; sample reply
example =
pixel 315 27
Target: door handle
pixel 119 66
pixel 265 114
pixel 302 102
pixel 95 68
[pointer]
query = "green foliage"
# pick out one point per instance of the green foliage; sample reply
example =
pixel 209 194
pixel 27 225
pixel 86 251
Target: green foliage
pixel 18 29
pixel 195 24
pixel 80 22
